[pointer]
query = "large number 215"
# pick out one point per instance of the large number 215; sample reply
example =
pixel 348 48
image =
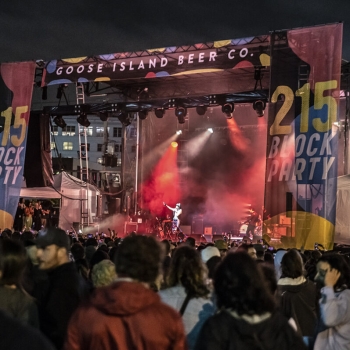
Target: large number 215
pixel 19 123
pixel 304 93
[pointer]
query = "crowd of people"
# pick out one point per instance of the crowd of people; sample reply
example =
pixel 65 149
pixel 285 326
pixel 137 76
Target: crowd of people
pixel 59 291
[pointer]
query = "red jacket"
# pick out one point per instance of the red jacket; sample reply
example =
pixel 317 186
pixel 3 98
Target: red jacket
pixel 125 316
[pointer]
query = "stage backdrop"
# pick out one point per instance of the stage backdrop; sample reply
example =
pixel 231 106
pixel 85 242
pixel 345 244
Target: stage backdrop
pixel 16 85
pixel 301 168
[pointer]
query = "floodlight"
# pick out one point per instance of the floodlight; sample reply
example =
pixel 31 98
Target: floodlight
pixel 58 120
pixel 228 109
pixel 259 107
pixel 83 120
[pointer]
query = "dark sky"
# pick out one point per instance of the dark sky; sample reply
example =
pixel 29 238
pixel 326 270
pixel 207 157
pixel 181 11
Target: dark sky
pixel 45 29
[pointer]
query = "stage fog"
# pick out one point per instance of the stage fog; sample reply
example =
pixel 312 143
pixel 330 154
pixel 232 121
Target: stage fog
pixel 216 175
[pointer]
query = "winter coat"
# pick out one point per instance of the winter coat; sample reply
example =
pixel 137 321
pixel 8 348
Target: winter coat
pixel 299 301
pixel 227 332
pixel 66 289
pixel 19 305
pixel 125 316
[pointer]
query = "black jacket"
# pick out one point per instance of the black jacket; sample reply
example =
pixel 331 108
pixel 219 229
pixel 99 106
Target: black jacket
pixel 65 291
pixel 301 303
pixel 223 331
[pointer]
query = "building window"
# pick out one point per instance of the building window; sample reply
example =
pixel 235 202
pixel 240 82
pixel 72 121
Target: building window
pixel 53 145
pixel 133 149
pixel 54 130
pixel 67 146
pixel 99 147
pixel 117 132
pixel 117 147
pixel 100 131
pixel 89 130
pixel 133 132
pixel 69 130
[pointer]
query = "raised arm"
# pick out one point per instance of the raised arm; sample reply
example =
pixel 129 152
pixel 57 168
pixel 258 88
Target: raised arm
pixel 166 205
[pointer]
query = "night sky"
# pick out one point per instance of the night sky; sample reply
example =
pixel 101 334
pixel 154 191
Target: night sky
pixel 62 29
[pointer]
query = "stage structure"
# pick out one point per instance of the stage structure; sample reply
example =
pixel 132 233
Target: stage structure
pixel 294 73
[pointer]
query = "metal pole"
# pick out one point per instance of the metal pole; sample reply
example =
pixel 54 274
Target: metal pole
pixel 137 161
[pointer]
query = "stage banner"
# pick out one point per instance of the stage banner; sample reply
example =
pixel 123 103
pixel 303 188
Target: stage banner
pixel 162 62
pixel 16 87
pixel 301 167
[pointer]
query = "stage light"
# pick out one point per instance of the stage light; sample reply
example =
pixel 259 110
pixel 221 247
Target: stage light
pixel 58 120
pixel 179 132
pixel 124 118
pixel 103 116
pixel 83 120
pixel 210 130
pixel 143 114
pixel 181 113
pixel 174 144
pixel 159 112
pixel 259 107
pixel 228 109
pixel 201 110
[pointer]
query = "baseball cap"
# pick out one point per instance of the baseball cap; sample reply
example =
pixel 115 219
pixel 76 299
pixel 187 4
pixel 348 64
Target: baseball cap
pixel 209 252
pixel 52 235
pixel 221 244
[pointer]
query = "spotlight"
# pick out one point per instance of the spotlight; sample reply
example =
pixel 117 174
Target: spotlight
pixel 181 113
pixel 174 144
pixel 259 107
pixel 83 120
pixel 228 109
pixel 201 110
pixel 210 130
pixel 179 132
pixel 124 118
pixel 143 114
pixel 103 116
pixel 159 112
pixel 58 120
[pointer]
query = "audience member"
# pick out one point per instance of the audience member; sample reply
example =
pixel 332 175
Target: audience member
pixel 103 273
pixel 65 287
pixel 298 299
pixel 133 317
pixel 247 318
pixel 334 273
pixel 13 299
pixel 188 292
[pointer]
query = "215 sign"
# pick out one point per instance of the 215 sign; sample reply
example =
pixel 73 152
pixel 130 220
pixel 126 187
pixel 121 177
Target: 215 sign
pixel 304 93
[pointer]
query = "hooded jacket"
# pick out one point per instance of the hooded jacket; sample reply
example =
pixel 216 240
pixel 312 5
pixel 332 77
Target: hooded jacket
pixel 227 332
pixel 125 316
pixel 300 302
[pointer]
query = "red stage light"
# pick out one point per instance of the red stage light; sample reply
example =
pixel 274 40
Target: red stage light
pixel 174 144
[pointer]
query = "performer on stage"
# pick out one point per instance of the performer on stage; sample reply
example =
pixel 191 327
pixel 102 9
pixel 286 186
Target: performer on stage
pixel 252 222
pixel 177 211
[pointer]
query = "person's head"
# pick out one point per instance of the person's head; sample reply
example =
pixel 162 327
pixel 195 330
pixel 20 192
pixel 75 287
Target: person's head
pixel 292 264
pixel 187 269
pixel 212 264
pixel 178 205
pixel 191 242
pixel 13 260
pixel 77 251
pixel 239 285
pixel 53 247
pixel 333 261
pixel 269 274
pixel 249 248
pixel 139 257
pixel 103 273
pixel 166 245
pixel 222 246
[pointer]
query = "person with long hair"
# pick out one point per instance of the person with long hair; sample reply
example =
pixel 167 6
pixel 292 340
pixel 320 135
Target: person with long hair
pixel 247 317
pixel 333 272
pixel 188 292
pixel 298 296
pixel 13 299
